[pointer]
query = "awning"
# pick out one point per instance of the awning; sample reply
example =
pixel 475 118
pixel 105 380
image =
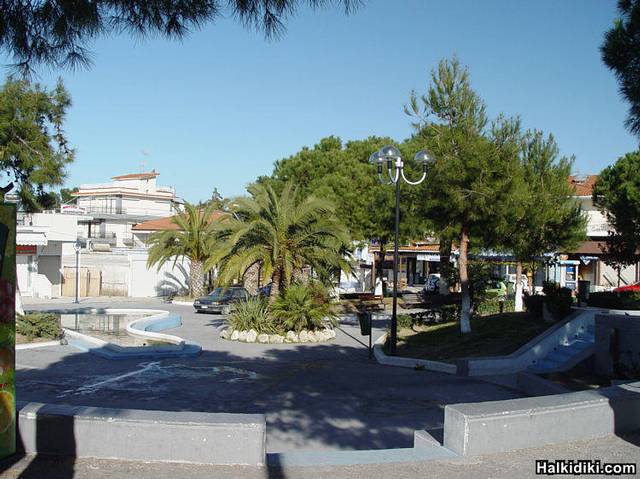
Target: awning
pixel 31 238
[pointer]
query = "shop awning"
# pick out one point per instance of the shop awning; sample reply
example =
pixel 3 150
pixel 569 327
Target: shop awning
pixel 31 238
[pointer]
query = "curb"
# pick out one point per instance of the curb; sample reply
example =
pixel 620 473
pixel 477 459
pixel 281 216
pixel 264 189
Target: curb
pixel 411 363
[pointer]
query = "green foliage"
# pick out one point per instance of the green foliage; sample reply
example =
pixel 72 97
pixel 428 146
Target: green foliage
pixel 470 190
pixel 39 325
pixel 621 53
pixel 617 194
pixel 405 321
pixel 548 218
pixel 342 174
pixel 533 303
pixel 253 314
pixel 283 233
pixel 297 308
pixel 450 312
pixel 608 299
pixel 491 306
pixel 192 239
pixel 33 148
pixel 56 34
pixel 558 300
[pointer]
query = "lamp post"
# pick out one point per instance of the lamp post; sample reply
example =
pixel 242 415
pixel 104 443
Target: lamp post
pixel 77 247
pixel 395 171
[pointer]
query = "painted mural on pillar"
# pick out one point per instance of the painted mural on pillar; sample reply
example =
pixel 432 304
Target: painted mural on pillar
pixel 7 329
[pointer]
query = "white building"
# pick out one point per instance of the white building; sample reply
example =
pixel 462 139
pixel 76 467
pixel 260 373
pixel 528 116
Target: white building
pixel 41 241
pixel 110 210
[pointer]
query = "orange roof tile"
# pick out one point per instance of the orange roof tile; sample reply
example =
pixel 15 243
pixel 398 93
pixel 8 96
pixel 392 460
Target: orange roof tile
pixel 583 185
pixel 136 176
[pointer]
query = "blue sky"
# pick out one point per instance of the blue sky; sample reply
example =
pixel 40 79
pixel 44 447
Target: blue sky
pixel 218 108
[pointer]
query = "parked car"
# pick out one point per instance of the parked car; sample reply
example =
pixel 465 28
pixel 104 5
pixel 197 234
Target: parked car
pixel 220 300
pixel 635 287
pixel 265 291
pixel 432 283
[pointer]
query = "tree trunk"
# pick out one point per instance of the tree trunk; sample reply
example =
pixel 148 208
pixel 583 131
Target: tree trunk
pixel 196 276
pixel 445 265
pixel 251 278
pixel 383 253
pixel 275 285
pixel 518 289
pixel 465 310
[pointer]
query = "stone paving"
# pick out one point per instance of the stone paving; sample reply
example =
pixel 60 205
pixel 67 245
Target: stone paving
pixel 316 396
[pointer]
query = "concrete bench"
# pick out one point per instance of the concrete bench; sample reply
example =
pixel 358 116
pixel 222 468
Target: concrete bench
pixel 501 426
pixel 138 435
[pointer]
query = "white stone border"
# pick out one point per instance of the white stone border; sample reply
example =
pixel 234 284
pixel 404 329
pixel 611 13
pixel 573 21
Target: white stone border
pixel 412 363
pixel 291 337
pixel 182 303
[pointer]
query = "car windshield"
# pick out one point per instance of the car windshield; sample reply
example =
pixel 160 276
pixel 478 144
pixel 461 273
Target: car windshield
pixel 219 293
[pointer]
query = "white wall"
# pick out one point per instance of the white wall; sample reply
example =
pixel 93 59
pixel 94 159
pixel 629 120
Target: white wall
pixel 127 271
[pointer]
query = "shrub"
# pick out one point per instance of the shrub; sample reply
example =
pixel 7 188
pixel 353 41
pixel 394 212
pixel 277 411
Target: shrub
pixel 533 304
pixel 494 306
pixel 298 308
pixel 610 300
pixel 449 313
pixel 252 314
pixel 39 325
pixel 405 321
pixel 558 300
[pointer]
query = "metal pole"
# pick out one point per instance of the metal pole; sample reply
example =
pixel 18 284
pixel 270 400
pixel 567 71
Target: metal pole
pixel 77 276
pixel 394 316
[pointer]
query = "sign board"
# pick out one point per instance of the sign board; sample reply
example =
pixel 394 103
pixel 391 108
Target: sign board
pixel 26 249
pixel 7 329
pixel 435 257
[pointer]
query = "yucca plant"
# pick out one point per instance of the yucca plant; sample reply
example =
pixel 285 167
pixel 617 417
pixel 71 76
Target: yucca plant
pixel 252 314
pixel 297 308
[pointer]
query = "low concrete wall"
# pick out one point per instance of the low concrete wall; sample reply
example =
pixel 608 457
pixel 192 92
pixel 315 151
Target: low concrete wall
pixel 537 348
pixel 137 435
pixel 501 426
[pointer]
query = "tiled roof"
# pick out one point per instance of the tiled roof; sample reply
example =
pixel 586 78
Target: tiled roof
pixel 136 176
pixel 583 184
pixel 165 224
pixel 406 248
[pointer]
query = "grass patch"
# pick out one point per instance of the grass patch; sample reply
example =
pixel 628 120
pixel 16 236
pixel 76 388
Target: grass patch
pixel 493 335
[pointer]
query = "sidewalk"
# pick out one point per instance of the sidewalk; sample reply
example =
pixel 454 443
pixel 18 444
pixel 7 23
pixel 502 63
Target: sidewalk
pixel 519 464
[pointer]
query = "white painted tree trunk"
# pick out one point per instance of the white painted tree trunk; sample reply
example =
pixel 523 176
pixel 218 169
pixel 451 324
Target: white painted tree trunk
pixel 519 306
pixel 19 306
pixel 465 310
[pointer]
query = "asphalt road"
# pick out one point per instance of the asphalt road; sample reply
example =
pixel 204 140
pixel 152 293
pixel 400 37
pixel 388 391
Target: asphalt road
pixel 319 396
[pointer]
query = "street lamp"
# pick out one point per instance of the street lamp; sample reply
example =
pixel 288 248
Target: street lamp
pixel 77 247
pixel 389 157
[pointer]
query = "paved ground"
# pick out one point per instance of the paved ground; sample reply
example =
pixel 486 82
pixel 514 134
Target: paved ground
pixel 321 396
pixel 520 464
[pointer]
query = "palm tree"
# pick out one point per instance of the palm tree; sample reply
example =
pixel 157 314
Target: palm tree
pixel 282 233
pixel 191 238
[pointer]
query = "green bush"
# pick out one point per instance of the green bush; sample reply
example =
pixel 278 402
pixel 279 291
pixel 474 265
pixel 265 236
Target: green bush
pixel 39 325
pixel 558 300
pixel 450 312
pixel 298 308
pixel 405 321
pixel 533 304
pixel 610 300
pixel 253 314
pixel 493 306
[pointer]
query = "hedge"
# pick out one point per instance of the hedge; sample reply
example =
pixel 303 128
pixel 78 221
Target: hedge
pixel 610 300
pixel 492 306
